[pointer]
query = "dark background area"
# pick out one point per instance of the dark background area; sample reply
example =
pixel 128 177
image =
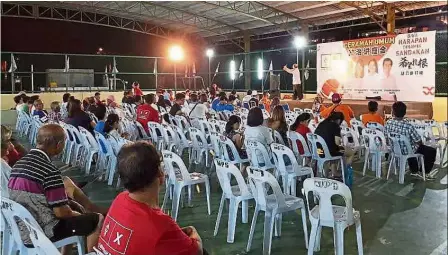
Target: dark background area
pixel 49 36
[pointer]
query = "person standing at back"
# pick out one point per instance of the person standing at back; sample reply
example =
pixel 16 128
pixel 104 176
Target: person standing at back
pixel 339 107
pixel 372 116
pixel 296 81
pixel 398 125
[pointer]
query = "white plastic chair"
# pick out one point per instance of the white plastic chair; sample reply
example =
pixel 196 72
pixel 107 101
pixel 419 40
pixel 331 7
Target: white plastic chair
pixel 350 138
pixel 314 140
pixel 401 143
pixel 298 110
pixel 141 133
pixel 157 137
pixel 178 178
pixel 295 137
pixel 42 245
pixel 200 147
pixel 429 139
pixel 217 148
pixel 90 147
pixel 289 173
pixel 325 214
pixel 108 158
pixel 376 147
pixel 274 205
pixel 374 125
pixel 184 143
pixel 259 155
pixel 235 194
pixel 307 110
pixel 182 122
pixel 169 138
pixel 235 158
pixel 78 145
pixel 12 210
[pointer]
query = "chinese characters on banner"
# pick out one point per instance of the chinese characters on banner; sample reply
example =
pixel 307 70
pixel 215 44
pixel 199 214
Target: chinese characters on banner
pixel 390 67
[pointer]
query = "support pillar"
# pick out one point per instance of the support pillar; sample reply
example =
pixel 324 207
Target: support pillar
pixel 390 19
pixel 305 33
pixel 247 74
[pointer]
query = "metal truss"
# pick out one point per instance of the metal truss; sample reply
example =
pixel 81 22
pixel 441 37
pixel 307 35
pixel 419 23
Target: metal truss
pixel 26 10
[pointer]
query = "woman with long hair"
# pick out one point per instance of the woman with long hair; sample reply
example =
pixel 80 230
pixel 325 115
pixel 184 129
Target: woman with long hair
pixel 112 125
pixel 301 126
pixel 278 122
pixel 232 131
pixel 79 118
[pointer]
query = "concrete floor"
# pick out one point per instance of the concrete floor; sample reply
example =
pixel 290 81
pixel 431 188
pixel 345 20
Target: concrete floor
pixel 396 219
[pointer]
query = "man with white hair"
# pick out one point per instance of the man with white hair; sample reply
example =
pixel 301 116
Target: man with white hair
pixel 296 82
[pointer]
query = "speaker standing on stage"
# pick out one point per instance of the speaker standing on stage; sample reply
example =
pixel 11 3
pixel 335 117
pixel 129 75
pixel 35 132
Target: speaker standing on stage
pixel 296 82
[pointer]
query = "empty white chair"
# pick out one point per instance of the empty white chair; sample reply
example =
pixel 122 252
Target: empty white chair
pixel 401 152
pixel 141 133
pixel 91 148
pixel 156 134
pixel 298 110
pixel 182 122
pixel 325 214
pixel 78 145
pixel 259 156
pixel 42 245
pixel 350 138
pixel 200 147
pixel 294 138
pixel 12 210
pixel 178 178
pixel 169 137
pixel 184 143
pixel 325 155
pixel 108 158
pixel 307 110
pixel 235 194
pixel 376 147
pixel 274 205
pixel 217 148
pixel 215 125
pixel 289 173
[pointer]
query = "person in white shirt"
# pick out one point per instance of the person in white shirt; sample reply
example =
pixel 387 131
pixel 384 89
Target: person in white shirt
pixel 296 81
pixel 388 81
pixel 247 97
pixel 255 131
pixel 197 109
pixel 371 80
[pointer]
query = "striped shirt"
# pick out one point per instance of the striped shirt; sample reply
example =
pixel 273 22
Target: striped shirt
pixel 37 184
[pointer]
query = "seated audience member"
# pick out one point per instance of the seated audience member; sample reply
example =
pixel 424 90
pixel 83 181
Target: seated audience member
pixel 217 100
pixel 187 96
pixel 339 107
pixel 100 115
pixel 5 169
pixel 223 105
pixel 20 104
pixel 39 110
pixel 55 114
pixel 247 97
pixel 198 109
pixel 254 130
pixel 137 100
pixel 232 101
pixel 372 116
pixel 275 101
pixel 161 104
pixel 85 103
pixel 204 100
pixel 253 102
pixel 301 126
pixel 330 130
pixel 176 109
pixel 278 122
pixel 136 91
pixel 213 90
pixel 127 97
pixel 266 101
pixel 92 105
pixel 137 209
pixel 399 125
pixel 97 98
pixel 112 126
pixel 15 149
pixel 232 132
pixel 110 101
pixel 37 184
pixel 79 118
pixel 64 106
pixel 318 105
pixel 146 112
pixel 31 103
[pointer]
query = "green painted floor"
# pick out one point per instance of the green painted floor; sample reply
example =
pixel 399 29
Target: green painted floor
pixel 396 219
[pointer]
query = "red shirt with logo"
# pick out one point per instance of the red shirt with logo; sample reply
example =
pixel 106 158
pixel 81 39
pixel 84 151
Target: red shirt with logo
pixel 146 113
pixel 133 228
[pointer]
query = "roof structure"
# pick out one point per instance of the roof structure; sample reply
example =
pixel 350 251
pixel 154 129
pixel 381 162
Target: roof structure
pixel 218 21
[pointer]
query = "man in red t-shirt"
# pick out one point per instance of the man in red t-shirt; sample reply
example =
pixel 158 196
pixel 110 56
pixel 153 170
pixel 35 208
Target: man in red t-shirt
pixel 135 224
pixel 146 112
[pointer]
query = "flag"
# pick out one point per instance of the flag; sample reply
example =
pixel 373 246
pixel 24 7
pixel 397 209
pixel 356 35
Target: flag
pixel 186 70
pixel 67 64
pixel 155 69
pixel 194 70
pixel 241 69
pixel 216 71
pixel 271 69
pixel 13 67
pixel 115 70
pixel 307 71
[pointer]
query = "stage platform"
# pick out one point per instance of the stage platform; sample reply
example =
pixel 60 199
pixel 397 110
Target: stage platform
pixel 416 110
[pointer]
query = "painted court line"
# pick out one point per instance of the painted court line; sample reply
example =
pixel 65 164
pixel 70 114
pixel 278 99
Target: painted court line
pixel 378 189
pixel 406 190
